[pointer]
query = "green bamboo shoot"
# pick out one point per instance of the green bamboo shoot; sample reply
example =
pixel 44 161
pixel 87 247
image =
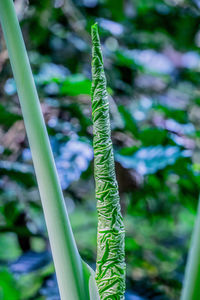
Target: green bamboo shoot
pixel 110 267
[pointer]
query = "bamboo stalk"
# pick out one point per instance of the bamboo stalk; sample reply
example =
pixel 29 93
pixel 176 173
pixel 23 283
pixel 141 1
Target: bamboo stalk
pixel 68 264
pixel 191 283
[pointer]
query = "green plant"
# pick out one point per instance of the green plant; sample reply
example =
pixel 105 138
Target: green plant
pixel 110 270
pixel 73 275
pixel 191 281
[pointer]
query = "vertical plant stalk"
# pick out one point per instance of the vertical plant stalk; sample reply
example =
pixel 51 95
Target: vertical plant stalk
pixel 110 268
pixel 68 264
pixel 191 283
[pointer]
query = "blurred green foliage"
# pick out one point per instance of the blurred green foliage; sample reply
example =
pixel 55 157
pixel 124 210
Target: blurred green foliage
pixel 152 63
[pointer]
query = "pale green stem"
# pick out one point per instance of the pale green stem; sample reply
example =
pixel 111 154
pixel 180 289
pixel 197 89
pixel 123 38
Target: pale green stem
pixel 68 264
pixel 191 283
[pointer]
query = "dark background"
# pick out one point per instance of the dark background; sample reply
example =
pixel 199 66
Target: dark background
pixel 152 64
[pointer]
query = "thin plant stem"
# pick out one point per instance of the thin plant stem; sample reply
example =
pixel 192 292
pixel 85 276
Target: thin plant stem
pixel 68 264
pixel 191 283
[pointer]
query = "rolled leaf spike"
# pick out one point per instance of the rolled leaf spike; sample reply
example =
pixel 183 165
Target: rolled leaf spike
pixel 110 269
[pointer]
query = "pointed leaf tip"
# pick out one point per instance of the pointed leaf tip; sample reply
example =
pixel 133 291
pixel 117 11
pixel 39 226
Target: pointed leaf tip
pixel 110 268
pixel 95 25
pixel 95 35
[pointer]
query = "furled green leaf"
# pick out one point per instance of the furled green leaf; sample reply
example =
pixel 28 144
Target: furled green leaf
pixel 110 272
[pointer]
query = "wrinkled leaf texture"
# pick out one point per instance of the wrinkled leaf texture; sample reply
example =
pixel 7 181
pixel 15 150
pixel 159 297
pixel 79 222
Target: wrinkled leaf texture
pixel 110 268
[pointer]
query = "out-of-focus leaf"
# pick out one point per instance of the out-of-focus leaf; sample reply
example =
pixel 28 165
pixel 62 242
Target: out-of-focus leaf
pixel 132 296
pixel 8 287
pixel 114 28
pixel 17 171
pixel 50 289
pixel 124 58
pixel 176 114
pixel 57 80
pixel 85 231
pixel 30 284
pixel 75 85
pixel 153 136
pixel 7 118
pixel 30 261
pixel 73 158
pixel 130 124
pixel 116 9
pixel 145 60
pixel 11 211
pixel 31 270
pixel 9 249
pixel 144 5
pixel 151 159
pixel 76 111
pixel 51 72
